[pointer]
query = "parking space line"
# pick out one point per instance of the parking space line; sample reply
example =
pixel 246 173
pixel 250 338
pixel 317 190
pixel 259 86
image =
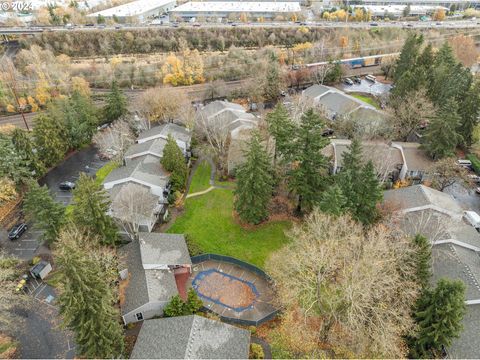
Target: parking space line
pixel 42 287
pixel 26 249
pixel 28 240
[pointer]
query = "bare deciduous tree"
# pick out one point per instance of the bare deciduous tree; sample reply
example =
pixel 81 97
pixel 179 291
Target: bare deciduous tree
pixel 445 172
pixel 357 284
pixel 132 207
pixel 410 113
pixel 217 134
pixel 114 141
pixel 162 104
pixel 465 49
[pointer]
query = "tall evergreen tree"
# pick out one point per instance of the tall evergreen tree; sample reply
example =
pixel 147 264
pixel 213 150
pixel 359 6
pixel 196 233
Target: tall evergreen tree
pixel 308 166
pixel 439 317
pixel 273 82
pixel 408 56
pixel 22 141
pixel 281 127
pixel 359 184
pixel 50 139
pixel 369 196
pixel 469 111
pixel 254 183
pixel 12 164
pixel 442 137
pixel 47 214
pixel 87 300
pixel 423 260
pixel 116 104
pixel 333 201
pixel 90 211
pixel 173 161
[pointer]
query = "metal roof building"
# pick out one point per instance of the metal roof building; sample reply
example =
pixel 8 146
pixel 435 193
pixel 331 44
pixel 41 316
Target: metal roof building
pixel 225 8
pixel 140 8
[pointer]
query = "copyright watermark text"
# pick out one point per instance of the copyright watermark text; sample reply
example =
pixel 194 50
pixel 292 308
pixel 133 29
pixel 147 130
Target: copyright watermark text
pixel 16 6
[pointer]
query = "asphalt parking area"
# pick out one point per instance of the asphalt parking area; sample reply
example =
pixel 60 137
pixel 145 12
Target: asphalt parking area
pixel 85 160
pixel 26 246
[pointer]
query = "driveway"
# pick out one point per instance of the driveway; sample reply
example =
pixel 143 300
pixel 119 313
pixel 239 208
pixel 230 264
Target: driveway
pixel 39 334
pixel 466 196
pixel 85 160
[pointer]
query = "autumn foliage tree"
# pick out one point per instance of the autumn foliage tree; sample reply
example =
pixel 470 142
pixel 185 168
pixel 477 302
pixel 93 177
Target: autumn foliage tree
pixel 185 69
pixel 344 288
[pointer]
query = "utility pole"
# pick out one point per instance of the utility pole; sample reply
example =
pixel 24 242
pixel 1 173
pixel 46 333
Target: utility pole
pixel 13 87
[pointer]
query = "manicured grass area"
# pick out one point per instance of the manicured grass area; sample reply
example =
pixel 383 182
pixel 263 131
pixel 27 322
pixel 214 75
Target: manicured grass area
pixel 208 221
pixel 367 99
pixel 106 169
pixel 201 179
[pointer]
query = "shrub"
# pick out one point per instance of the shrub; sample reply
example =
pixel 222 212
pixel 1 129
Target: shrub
pixel 252 329
pixel 256 352
pixel 193 248
pixel 475 163
pixel 178 307
pixel 36 260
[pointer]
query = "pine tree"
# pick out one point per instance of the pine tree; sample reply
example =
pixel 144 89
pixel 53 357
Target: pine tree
pixel 116 104
pixel 281 127
pixel 273 82
pixel 309 167
pixel 442 137
pixel 173 161
pixel 254 183
pixel 176 307
pixel 369 196
pixel 48 214
pixel 439 318
pixel 22 141
pixel 408 56
pixel 87 300
pixel 423 260
pixel 469 111
pixel 333 201
pixel 12 164
pixel 91 204
pixel 50 139
pixel 349 177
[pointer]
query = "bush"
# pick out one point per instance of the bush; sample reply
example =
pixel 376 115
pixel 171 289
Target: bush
pixel 35 260
pixel 252 329
pixel 475 163
pixel 193 248
pixel 256 352
pixel 178 307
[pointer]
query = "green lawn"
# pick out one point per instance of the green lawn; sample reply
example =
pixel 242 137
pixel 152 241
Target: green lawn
pixel 201 180
pixel 367 99
pixel 208 221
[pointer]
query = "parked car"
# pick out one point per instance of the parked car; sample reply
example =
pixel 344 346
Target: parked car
pixel 327 132
pixel 17 231
pixel 467 164
pixel 67 186
pixel 348 81
pixel 373 24
pixel 357 80
pixel 371 78
pixel 474 178
pixel 472 218
pixel 477 190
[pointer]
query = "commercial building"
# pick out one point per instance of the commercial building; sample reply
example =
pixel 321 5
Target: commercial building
pixel 460 4
pixel 223 9
pixel 141 9
pixel 397 10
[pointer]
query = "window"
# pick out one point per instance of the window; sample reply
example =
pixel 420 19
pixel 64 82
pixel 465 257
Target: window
pixel 139 316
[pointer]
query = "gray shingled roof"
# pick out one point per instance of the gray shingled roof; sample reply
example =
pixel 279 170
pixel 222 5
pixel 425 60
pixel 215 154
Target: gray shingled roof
pixel 216 106
pixel 176 131
pixel 164 249
pixel 415 157
pixel 315 91
pixel 467 346
pixel 153 147
pixel 144 286
pixel 420 195
pixel 338 103
pixel 145 169
pixel 190 337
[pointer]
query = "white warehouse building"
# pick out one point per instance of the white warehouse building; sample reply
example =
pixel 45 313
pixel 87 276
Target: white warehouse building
pixel 223 9
pixel 397 10
pixel 141 8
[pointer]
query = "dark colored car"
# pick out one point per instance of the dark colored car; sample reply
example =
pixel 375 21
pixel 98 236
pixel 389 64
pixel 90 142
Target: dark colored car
pixel 357 80
pixel 67 186
pixel 373 24
pixel 327 132
pixel 17 231
pixel 348 81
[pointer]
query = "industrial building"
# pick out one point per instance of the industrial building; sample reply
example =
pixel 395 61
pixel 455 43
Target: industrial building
pixel 223 9
pixel 141 8
pixel 397 10
pixel 459 4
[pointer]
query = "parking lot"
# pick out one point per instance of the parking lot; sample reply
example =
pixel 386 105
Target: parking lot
pixel 374 88
pixel 85 160
pixel 25 247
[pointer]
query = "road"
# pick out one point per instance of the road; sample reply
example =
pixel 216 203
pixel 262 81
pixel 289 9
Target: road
pixel 450 24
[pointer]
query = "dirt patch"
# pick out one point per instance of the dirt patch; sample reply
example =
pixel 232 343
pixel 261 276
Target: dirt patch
pixel 229 291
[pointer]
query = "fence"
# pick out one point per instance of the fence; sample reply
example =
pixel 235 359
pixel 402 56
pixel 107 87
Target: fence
pixel 228 259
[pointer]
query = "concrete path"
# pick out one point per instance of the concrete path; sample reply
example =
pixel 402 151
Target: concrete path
pixel 201 192
pixel 195 166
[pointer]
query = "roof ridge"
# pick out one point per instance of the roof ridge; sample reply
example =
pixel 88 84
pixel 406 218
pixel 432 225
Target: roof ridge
pixel 191 337
pixel 468 272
